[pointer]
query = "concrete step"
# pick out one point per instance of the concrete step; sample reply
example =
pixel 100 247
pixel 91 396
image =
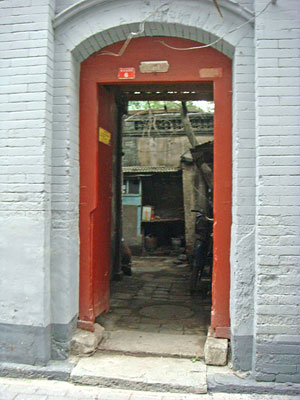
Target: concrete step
pixel 156 344
pixel 160 374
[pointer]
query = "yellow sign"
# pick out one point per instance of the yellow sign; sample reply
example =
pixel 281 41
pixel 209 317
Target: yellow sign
pixel 104 136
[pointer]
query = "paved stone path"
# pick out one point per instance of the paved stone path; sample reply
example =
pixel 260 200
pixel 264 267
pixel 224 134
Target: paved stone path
pixel 25 389
pixel 156 298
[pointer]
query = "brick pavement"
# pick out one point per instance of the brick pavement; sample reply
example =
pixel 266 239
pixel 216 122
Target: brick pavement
pixel 25 389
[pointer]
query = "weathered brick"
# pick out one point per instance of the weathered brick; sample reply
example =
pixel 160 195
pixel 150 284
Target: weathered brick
pixel 295 378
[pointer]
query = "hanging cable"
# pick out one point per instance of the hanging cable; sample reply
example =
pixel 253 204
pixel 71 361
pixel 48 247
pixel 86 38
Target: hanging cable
pixel 220 38
pixel 142 30
pixel 135 34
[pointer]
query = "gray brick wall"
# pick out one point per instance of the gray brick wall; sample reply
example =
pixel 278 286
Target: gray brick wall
pixel 25 131
pixel 243 207
pixel 26 89
pixel 277 311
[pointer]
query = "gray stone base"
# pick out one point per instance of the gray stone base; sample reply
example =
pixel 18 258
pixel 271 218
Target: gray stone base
pixel 61 335
pixel 24 344
pixel 242 347
pixel 58 370
pixel 35 345
pixel 229 382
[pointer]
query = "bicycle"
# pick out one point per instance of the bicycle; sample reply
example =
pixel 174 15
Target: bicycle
pixel 203 245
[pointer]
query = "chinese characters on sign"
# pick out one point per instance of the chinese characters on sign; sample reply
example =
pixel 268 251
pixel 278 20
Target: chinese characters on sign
pixel 126 73
pixel 104 136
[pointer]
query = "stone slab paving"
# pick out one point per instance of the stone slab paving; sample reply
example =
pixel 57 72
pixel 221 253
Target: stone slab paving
pixel 25 389
pixel 156 298
pixel 142 373
pixel 136 342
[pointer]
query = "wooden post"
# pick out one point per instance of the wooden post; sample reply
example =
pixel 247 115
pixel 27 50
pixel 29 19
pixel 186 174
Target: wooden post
pixel 187 125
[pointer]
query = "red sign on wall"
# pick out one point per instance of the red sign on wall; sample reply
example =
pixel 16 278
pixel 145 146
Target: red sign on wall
pixel 126 73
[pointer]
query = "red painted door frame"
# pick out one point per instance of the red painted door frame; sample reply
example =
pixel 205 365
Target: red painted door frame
pixel 202 65
pixel 95 199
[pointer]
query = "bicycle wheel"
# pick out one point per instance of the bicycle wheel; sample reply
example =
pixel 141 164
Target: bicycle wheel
pixel 198 264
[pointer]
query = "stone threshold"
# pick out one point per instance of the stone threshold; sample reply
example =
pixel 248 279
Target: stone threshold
pixel 131 342
pixel 158 374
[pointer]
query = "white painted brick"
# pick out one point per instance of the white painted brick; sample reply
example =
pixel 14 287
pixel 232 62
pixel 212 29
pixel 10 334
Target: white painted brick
pixel 290 100
pixel 25 115
pixel 269 101
pixel 15 53
pixel 289 200
pixel 269 72
pixel 41 96
pixel 280 91
pixel 29 61
pixel 267 62
pixel 280 53
pixel 290 120
pixel 268 120
pixel 283 150
pixel 25 44
pixel 272 131
pixel 268 44
pixel 38 10
pixel 242 60
pixel 289 62
pixel 279 110
pixel 267 81
pixel 4 80
pixel 286 44
pixel 26 27
pixel 36 78
pixel 7 89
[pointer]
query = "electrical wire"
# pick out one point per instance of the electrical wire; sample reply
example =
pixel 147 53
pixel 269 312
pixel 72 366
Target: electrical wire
pixel 134 34
pixel 142 30
pixel 220 38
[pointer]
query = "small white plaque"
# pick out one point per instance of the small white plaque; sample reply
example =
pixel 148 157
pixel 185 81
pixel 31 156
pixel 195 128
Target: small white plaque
pixel 148 67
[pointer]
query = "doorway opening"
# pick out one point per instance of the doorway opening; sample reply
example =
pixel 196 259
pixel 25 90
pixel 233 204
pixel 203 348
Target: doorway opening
pixel 102 104
pixel 161 184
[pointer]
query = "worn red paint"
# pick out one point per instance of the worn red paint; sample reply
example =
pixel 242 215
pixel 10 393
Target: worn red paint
pixel 95 201
pixel 210 72
pixel 99 70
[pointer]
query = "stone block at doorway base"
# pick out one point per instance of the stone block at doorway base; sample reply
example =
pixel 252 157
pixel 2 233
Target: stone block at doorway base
pixel 86 342
pixel 215 351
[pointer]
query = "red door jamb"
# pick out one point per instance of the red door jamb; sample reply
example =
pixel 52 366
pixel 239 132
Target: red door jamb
pixel 220 319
